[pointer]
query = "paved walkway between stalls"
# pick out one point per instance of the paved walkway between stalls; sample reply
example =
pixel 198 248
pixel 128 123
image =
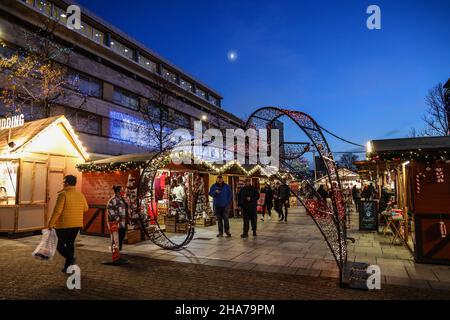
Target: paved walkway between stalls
pixel 23 277
pixel 296 247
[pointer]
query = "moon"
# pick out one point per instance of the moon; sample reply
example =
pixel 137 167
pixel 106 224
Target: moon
pixel 232 56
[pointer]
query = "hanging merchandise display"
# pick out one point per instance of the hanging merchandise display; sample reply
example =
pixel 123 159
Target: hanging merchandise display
pixel 200 199
pixel 131 198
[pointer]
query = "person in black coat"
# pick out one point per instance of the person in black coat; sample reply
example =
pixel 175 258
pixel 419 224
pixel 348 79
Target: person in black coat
pixel 268 200
pixel 248 201
pixel 283 196
pixel 356 194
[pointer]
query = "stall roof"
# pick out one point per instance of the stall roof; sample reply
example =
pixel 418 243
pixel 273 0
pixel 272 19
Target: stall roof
pixel 344 174
pixel 421 148
pixel 23 136
pixel 132 162
pixel 406 144
pixel 140 158
pixel 137 157
pixel 234 168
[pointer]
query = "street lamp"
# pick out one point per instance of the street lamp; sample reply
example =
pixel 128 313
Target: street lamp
pixel 204 118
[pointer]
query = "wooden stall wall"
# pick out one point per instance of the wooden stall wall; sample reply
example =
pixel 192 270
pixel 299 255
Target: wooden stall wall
pixel 97 188
pixel 431 199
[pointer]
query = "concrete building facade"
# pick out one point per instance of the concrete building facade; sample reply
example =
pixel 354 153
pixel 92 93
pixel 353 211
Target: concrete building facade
pixel 116 76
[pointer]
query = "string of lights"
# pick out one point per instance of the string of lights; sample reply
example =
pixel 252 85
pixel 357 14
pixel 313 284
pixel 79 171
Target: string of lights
pixel 132 165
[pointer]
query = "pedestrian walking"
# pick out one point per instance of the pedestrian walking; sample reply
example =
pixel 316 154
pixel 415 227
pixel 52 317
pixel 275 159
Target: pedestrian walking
pixel 221 194
pixel 117 209
pixel 248 201
pixel 284 194
pixel 268 201
pixel 356 194
pixel 67 219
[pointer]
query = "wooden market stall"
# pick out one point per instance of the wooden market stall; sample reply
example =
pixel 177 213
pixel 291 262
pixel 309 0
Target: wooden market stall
pixel 416 171
pixel 234 175
pixel 34 158
pixel 100 176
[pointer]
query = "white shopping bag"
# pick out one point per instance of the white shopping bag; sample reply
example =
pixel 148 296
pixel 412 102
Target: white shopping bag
pixel 47 247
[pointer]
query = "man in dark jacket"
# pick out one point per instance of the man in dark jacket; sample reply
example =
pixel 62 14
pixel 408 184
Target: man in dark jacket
pixel 356 194
pixel 284 193
pixel 221 193
pixel 268 200
pixel 248 200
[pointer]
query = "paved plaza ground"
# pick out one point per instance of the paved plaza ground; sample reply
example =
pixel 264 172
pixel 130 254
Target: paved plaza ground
pixel 285 261
pixel 23 277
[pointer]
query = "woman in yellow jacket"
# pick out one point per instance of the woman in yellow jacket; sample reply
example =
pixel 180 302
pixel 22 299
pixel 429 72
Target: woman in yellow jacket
pixel 67 219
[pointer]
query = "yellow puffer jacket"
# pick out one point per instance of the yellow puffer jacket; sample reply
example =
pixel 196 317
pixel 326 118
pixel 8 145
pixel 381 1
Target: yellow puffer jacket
pixel 69 209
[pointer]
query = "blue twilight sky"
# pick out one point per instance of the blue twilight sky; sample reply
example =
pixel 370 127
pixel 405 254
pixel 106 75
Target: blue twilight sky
pixel 313 56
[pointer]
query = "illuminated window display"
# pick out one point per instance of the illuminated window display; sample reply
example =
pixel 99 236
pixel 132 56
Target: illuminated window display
pixel 8 181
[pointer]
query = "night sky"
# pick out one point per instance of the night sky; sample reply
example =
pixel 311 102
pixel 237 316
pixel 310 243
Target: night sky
pixel 313 56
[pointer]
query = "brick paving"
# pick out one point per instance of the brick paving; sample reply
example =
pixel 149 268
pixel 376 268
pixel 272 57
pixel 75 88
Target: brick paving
pixel 23 277
pixel 293 248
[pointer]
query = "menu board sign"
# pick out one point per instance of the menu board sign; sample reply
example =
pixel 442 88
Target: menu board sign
pixel 368 215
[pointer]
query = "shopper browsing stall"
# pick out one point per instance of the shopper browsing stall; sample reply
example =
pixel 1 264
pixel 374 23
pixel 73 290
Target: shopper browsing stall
pixel 118 213
pixel 178 193
pixel 221 193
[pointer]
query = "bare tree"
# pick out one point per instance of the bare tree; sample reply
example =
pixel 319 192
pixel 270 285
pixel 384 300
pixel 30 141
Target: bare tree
pixel 436 117
pixel 36 75
pixel 158 117
pixel 413 133
pixel 346 161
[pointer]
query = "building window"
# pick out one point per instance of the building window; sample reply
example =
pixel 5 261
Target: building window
pixel 181 120
pixel 8 181
pixel 172 77
pixel 86 85
pixel 121 49
pixel 45 7
pixel 90 86
pixel 129 129
pixel 126 99
pixel 86 30
pixel 186 85
pixel 29 2
pixel 153 112
pixel 200 93
pixel 98 36
pixel 147 64
pixel 83 121
pixel 214 100
pixel 59 14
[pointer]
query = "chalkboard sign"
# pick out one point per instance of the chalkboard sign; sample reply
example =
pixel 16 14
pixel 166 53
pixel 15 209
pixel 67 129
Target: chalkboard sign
pixel 368 215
